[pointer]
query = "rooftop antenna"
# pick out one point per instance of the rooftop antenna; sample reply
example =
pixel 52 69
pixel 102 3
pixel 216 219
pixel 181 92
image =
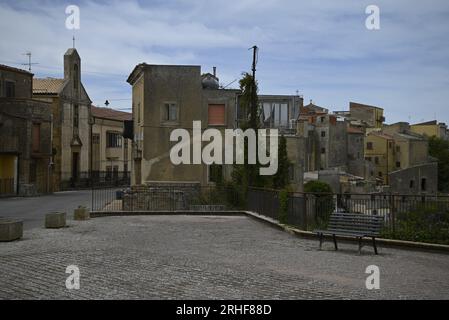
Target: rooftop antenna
pixel 28 53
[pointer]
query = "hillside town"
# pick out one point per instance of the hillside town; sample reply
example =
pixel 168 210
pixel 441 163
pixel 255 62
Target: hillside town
pixel 53 138
pixel 223 156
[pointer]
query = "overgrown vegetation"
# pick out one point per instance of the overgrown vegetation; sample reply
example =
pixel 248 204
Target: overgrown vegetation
pixel 324 202
pixel 427 223
pixel 283 206
pixel 439 149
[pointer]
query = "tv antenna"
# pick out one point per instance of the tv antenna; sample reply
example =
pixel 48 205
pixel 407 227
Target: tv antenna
pixel 29 63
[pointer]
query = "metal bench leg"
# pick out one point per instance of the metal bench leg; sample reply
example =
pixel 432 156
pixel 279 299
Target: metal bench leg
pixel 374 245
pixel 321 240
pixel 360 245
pixel 335 241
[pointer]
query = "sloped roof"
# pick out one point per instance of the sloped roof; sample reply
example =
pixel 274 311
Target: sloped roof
pixel 354 130
pixel 108 113
pixel 8 68
pixel 381 135
pixel 47 85
pixel 428 123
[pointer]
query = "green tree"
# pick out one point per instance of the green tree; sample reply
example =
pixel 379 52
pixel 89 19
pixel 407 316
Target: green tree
pixel 439 148
pixel 248 174
pixel 281 178
pixel 317 187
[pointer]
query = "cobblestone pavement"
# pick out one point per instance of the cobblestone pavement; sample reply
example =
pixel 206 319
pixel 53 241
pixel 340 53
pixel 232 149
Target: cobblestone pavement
pixel 206 257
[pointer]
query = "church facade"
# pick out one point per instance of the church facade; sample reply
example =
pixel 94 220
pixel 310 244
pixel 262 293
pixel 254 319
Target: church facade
pixel 71 112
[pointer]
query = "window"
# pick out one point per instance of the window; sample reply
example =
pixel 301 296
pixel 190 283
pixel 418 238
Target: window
pixel 322 119
pixel 390 144
pixel 369 145
pixel 323 150
pixel 380 174
pixel 398 164
pixel 423 184
pixel 10 89
pixel 36 137
pixel 75 116
pixel 376 160
pixel 170 112
pixel 368 159
pixel 113 140
pixel 216 114
pixel 398 149
pixel 75 76
pixel 412 184
pixel 95 138
pixel 215 173
pixel 138 113
pixel 323 133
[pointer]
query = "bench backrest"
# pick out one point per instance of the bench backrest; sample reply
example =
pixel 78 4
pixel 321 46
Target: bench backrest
pixel 363 223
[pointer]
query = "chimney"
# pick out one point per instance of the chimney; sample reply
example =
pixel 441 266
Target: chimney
pixel 215 71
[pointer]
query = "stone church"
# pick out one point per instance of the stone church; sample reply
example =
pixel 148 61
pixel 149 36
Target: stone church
pixel 71 110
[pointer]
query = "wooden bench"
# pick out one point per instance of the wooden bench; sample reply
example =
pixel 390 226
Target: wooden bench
pixel 352 225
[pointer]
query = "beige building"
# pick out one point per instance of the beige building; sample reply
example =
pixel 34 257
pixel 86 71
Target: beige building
pixel 166 97
pixel 71 121
pixel 371 116
pixel 111 152
pixel 431 128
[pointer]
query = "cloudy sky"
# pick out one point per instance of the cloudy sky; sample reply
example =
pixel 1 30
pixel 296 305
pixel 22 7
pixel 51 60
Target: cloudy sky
pixel 321 49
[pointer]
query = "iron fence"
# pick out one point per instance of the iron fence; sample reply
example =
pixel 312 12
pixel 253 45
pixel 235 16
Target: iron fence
pixel 408 217
pixel 98 179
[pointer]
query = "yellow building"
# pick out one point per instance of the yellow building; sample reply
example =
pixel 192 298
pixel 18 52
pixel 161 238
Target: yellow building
pixel 371 116
pixel 111 153
pixel 380 150
pixel 431 128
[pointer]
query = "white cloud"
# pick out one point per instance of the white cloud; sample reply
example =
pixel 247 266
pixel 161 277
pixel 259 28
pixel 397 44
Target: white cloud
pixel 321 48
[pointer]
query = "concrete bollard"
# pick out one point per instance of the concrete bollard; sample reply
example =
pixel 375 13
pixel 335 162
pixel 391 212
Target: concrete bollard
pixel 10 229
pixel 55 220
pixel 81 213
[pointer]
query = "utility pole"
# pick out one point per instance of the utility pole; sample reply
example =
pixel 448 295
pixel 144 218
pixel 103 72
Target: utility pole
pixel 253 113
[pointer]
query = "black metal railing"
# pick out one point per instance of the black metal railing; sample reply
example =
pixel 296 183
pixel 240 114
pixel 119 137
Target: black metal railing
pixel 409 217
pixel 98 179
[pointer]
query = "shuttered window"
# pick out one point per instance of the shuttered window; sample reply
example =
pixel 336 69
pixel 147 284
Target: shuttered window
pixel 216 114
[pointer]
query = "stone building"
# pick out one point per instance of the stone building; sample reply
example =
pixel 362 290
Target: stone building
pixel 167 97
pixel 71 121
pixel 431 128
pixel 111 152
pixel 401 159
pixel 372 116
pixel 25 136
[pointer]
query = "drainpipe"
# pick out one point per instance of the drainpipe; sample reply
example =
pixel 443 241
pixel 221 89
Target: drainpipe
pixel 50 164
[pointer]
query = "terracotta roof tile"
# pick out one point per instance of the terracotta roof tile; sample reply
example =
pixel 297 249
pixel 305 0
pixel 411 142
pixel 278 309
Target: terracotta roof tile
pixel 47 86
pixel 108 113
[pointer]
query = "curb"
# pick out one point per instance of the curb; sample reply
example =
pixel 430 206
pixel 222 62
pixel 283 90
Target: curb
pixel 402 244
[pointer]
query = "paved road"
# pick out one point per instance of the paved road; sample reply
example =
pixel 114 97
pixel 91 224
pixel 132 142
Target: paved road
pixel 206 257
pixel 33 209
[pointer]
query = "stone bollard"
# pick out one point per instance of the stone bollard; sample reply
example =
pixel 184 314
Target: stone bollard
pixel 55 220
pixel 10 229
pixel 81 213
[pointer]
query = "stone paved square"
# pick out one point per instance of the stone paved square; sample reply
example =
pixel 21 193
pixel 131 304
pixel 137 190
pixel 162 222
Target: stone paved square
pixel 206 257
